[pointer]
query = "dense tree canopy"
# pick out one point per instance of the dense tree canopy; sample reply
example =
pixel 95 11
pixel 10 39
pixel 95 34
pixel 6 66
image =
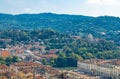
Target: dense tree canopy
pixel 81 48
pixel 106 27
pixel 9 60
pixel 57 31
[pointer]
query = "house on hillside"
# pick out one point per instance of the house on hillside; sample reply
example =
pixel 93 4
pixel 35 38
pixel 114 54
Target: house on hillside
pixel 5 53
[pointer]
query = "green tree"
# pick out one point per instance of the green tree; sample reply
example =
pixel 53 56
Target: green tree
pixel 44 62
pixel 52 61
pixel 77 57
pixel 15 59
pixel 62 55
pixel 89 55
pixel 2 61
pixel 82 51
pixel 67 49
pixel 8 61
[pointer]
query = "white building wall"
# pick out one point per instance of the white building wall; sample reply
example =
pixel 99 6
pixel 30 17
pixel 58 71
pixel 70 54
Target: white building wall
pixel 98 69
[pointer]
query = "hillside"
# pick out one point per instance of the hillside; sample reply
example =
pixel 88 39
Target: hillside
pixel 106 27
pixel 66 48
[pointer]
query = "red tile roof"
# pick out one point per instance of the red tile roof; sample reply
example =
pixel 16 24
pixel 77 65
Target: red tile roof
pixel 39 77
pixel 3 66
pixel 27 67
pixel 5 54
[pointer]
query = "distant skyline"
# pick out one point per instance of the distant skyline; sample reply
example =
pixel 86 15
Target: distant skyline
pixel 77 7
